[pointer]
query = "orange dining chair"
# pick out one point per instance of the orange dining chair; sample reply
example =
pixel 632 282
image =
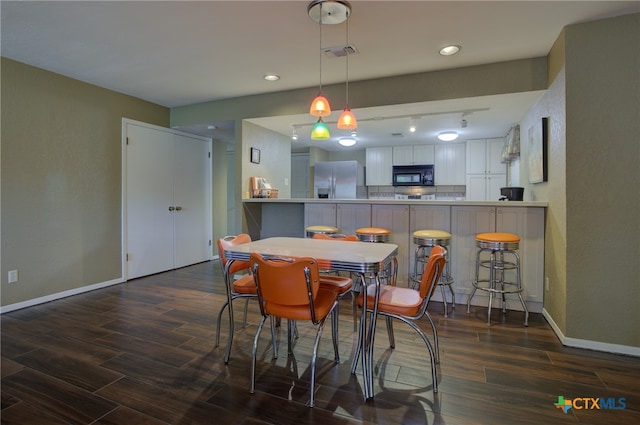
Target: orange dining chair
pixel 244 287
pixel 290 288
pixel 342 285
pixel 408 305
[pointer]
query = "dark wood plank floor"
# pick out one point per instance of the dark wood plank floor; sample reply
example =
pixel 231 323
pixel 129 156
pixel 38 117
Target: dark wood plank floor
pixel 143 353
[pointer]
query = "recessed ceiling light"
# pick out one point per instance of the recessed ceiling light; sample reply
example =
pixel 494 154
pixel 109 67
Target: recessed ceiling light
pixel 450 50
pixel 271 77
pixel 448 136
pixel 211 127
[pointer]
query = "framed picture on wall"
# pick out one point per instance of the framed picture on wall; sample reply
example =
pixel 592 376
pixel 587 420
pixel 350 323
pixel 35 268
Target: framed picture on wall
pixel 538 145
pixel 255 155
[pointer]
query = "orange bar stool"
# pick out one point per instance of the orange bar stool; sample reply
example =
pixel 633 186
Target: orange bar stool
pixel 503 256
pixel 327 230
pixel 426 240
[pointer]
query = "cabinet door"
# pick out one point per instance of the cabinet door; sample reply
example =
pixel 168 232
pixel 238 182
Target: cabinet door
pixel 191 189
pixel 476 156
pixel 403 155
pixel 424 154
pixel 350 217
pixel 494 157
pixel 493 184
pixel 379 166
pixel 425 217
pixel 450 166
pixel 466 223
pixel 476 187
pixel 319 214
pixel 396 219
pixel 528 223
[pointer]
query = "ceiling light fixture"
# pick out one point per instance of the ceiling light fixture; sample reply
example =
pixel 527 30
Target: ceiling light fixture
pixel 294 134
pixel 347 141
pixel 271 77
pixel 448 136
pixel 450 50
pixel 320 131
pixel 347 120
pixel 412 124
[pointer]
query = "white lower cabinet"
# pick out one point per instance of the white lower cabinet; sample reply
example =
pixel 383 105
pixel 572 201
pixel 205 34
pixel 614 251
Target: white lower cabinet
pixel 528 223
pixel 319 214
pixel 350 217
pixel 396 219
pixel 426 217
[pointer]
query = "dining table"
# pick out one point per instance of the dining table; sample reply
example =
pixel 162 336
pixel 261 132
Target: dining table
pixel 367 259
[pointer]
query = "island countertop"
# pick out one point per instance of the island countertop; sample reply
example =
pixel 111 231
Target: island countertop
pixel 539 204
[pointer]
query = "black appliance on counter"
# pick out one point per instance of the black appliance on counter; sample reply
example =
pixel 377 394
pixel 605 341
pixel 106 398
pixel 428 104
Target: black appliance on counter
pixel 511 193
pixel 413 175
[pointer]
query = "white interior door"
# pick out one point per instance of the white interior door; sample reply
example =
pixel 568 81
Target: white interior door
pixel 149 194
pixel 191 185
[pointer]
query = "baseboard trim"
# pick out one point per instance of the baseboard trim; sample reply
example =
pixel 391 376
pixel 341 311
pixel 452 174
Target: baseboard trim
pixel 58 295
pixel 588 344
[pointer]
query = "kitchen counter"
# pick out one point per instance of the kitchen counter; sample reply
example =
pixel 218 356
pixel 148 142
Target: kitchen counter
pixel 269 217
pixel 398 202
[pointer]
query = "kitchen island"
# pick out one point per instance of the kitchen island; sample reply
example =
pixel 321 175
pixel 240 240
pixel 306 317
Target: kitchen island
pixel 265 217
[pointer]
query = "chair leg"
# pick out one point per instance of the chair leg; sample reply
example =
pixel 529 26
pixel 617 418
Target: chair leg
pixel 246 310
pixel 432 357
pixel 392 339
pixel 227 353
pixel 219 320
pixel 313 364
pixel 435 336
pixel 335 336
pixel 254 351
pixel 273 337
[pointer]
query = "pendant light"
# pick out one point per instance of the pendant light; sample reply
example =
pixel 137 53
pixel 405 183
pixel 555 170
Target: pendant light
pixel 320 131
pixel 347 120
pixel 320 106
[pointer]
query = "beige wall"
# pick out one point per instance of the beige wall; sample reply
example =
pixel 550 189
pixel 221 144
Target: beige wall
pixel 603 176
pixel 61 180
pixel 551 105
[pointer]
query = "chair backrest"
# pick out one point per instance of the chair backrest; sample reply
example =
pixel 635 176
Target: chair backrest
pixel 285 282
pixel 432 271
pixel 346 238
pixel 230 241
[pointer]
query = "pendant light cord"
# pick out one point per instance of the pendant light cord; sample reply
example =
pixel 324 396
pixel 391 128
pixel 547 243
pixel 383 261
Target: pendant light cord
pixel 346 50
pixel 320 50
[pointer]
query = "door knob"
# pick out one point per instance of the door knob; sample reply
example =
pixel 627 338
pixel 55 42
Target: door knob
pixel 171 208
pixel 178 208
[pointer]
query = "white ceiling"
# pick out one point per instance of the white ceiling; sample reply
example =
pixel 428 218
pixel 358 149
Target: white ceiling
pixel 177 53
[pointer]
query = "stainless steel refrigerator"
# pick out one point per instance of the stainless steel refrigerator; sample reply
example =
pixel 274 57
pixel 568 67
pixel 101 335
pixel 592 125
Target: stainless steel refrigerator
pixel 338 180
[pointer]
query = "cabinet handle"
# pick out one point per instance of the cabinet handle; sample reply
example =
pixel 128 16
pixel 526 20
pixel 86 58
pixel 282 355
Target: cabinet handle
pixel 178 208
pixel 171 208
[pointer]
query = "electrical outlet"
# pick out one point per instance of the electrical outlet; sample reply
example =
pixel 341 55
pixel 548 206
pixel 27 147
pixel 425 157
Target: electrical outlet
pixel 13 276
pixel 286 181
pixel 546 284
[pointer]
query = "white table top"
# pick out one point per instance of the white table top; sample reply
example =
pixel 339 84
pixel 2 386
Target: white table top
pixel 360 257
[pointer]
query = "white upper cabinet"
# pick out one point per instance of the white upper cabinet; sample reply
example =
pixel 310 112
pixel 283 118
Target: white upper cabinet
pixel 379 166
pixel 411 155
pixel 484 155
pixel 485 173
pixel 450 164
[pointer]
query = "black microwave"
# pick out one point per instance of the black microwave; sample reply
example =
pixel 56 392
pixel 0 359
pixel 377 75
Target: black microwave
pixel 413 175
